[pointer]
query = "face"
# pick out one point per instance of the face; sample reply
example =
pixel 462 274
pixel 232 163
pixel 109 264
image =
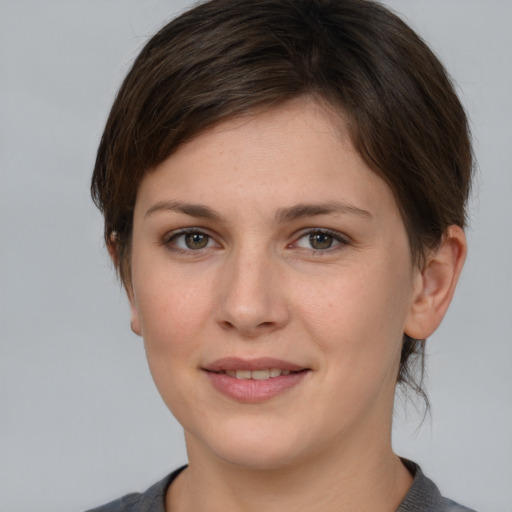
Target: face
pixel 272 280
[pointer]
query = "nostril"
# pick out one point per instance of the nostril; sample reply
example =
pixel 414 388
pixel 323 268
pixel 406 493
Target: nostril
pixel 247 329
pixel 226 324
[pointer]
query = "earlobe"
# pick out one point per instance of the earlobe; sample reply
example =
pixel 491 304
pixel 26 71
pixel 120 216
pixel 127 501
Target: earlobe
pixel 112 249
pixel 135 322
pixel 436 284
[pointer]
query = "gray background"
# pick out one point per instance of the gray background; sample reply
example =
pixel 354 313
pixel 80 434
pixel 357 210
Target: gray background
pixel 80 420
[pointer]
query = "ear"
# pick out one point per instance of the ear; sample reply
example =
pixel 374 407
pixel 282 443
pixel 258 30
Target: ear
pixel 135 321
pixel 435 285
pixel 112 249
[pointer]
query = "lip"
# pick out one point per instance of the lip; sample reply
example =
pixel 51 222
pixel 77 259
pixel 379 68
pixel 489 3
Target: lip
pixel 252 391
pixel 261 363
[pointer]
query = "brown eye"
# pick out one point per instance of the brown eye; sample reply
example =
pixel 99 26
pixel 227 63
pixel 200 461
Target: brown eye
pixel 196 241
pixel 321 240
pixel 190 241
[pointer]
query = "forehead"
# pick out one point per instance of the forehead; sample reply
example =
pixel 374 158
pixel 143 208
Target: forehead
pixel 298 152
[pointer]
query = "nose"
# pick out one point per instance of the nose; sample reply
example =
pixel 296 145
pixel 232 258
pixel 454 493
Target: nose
pixel 252 300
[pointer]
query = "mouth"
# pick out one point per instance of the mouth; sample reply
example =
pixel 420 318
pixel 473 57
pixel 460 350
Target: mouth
pixel 270 373
pixel 261 368
pixel 254 380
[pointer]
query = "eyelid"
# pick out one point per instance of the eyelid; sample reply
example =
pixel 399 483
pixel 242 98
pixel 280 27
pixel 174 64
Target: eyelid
pixel 341 238
pixel 174 234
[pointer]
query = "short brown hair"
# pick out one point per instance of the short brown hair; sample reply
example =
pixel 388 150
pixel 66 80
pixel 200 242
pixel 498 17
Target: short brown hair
pixel 225 58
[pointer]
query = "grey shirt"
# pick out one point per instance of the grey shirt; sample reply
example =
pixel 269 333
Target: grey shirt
pixel 423 496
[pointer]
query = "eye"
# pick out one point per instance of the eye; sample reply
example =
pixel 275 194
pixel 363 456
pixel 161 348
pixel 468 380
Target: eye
pixel 191 240
pixel 320 240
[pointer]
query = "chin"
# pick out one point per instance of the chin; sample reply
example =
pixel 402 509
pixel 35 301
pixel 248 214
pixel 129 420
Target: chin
pixel 255 447
pixel 263 458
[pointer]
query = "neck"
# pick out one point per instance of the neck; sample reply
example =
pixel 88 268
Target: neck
pixel 372 481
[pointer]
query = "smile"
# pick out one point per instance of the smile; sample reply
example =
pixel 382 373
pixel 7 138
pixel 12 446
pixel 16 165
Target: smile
pixel 255 380
pixel 257 374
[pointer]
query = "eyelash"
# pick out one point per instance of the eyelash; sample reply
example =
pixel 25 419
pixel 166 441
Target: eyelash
pixel 337 238
pixel 175 235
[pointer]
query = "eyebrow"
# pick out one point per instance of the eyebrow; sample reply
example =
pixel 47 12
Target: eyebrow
pixel 300 211
pixel 194 210
pixel 283 215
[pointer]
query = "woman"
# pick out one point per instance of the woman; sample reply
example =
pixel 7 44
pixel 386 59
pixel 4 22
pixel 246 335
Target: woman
pixel 284 187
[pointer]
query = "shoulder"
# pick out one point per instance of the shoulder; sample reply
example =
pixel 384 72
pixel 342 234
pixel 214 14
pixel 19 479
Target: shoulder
pixel 152 500
pixel 424 496
pixel 128 503
pixel 451 506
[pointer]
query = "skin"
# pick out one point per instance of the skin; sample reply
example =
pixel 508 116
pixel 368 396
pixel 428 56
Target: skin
pixel 258 288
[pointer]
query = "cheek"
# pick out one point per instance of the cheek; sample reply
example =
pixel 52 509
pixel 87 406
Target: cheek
pixel 172 313
pixel 357 318
pixel 172 319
